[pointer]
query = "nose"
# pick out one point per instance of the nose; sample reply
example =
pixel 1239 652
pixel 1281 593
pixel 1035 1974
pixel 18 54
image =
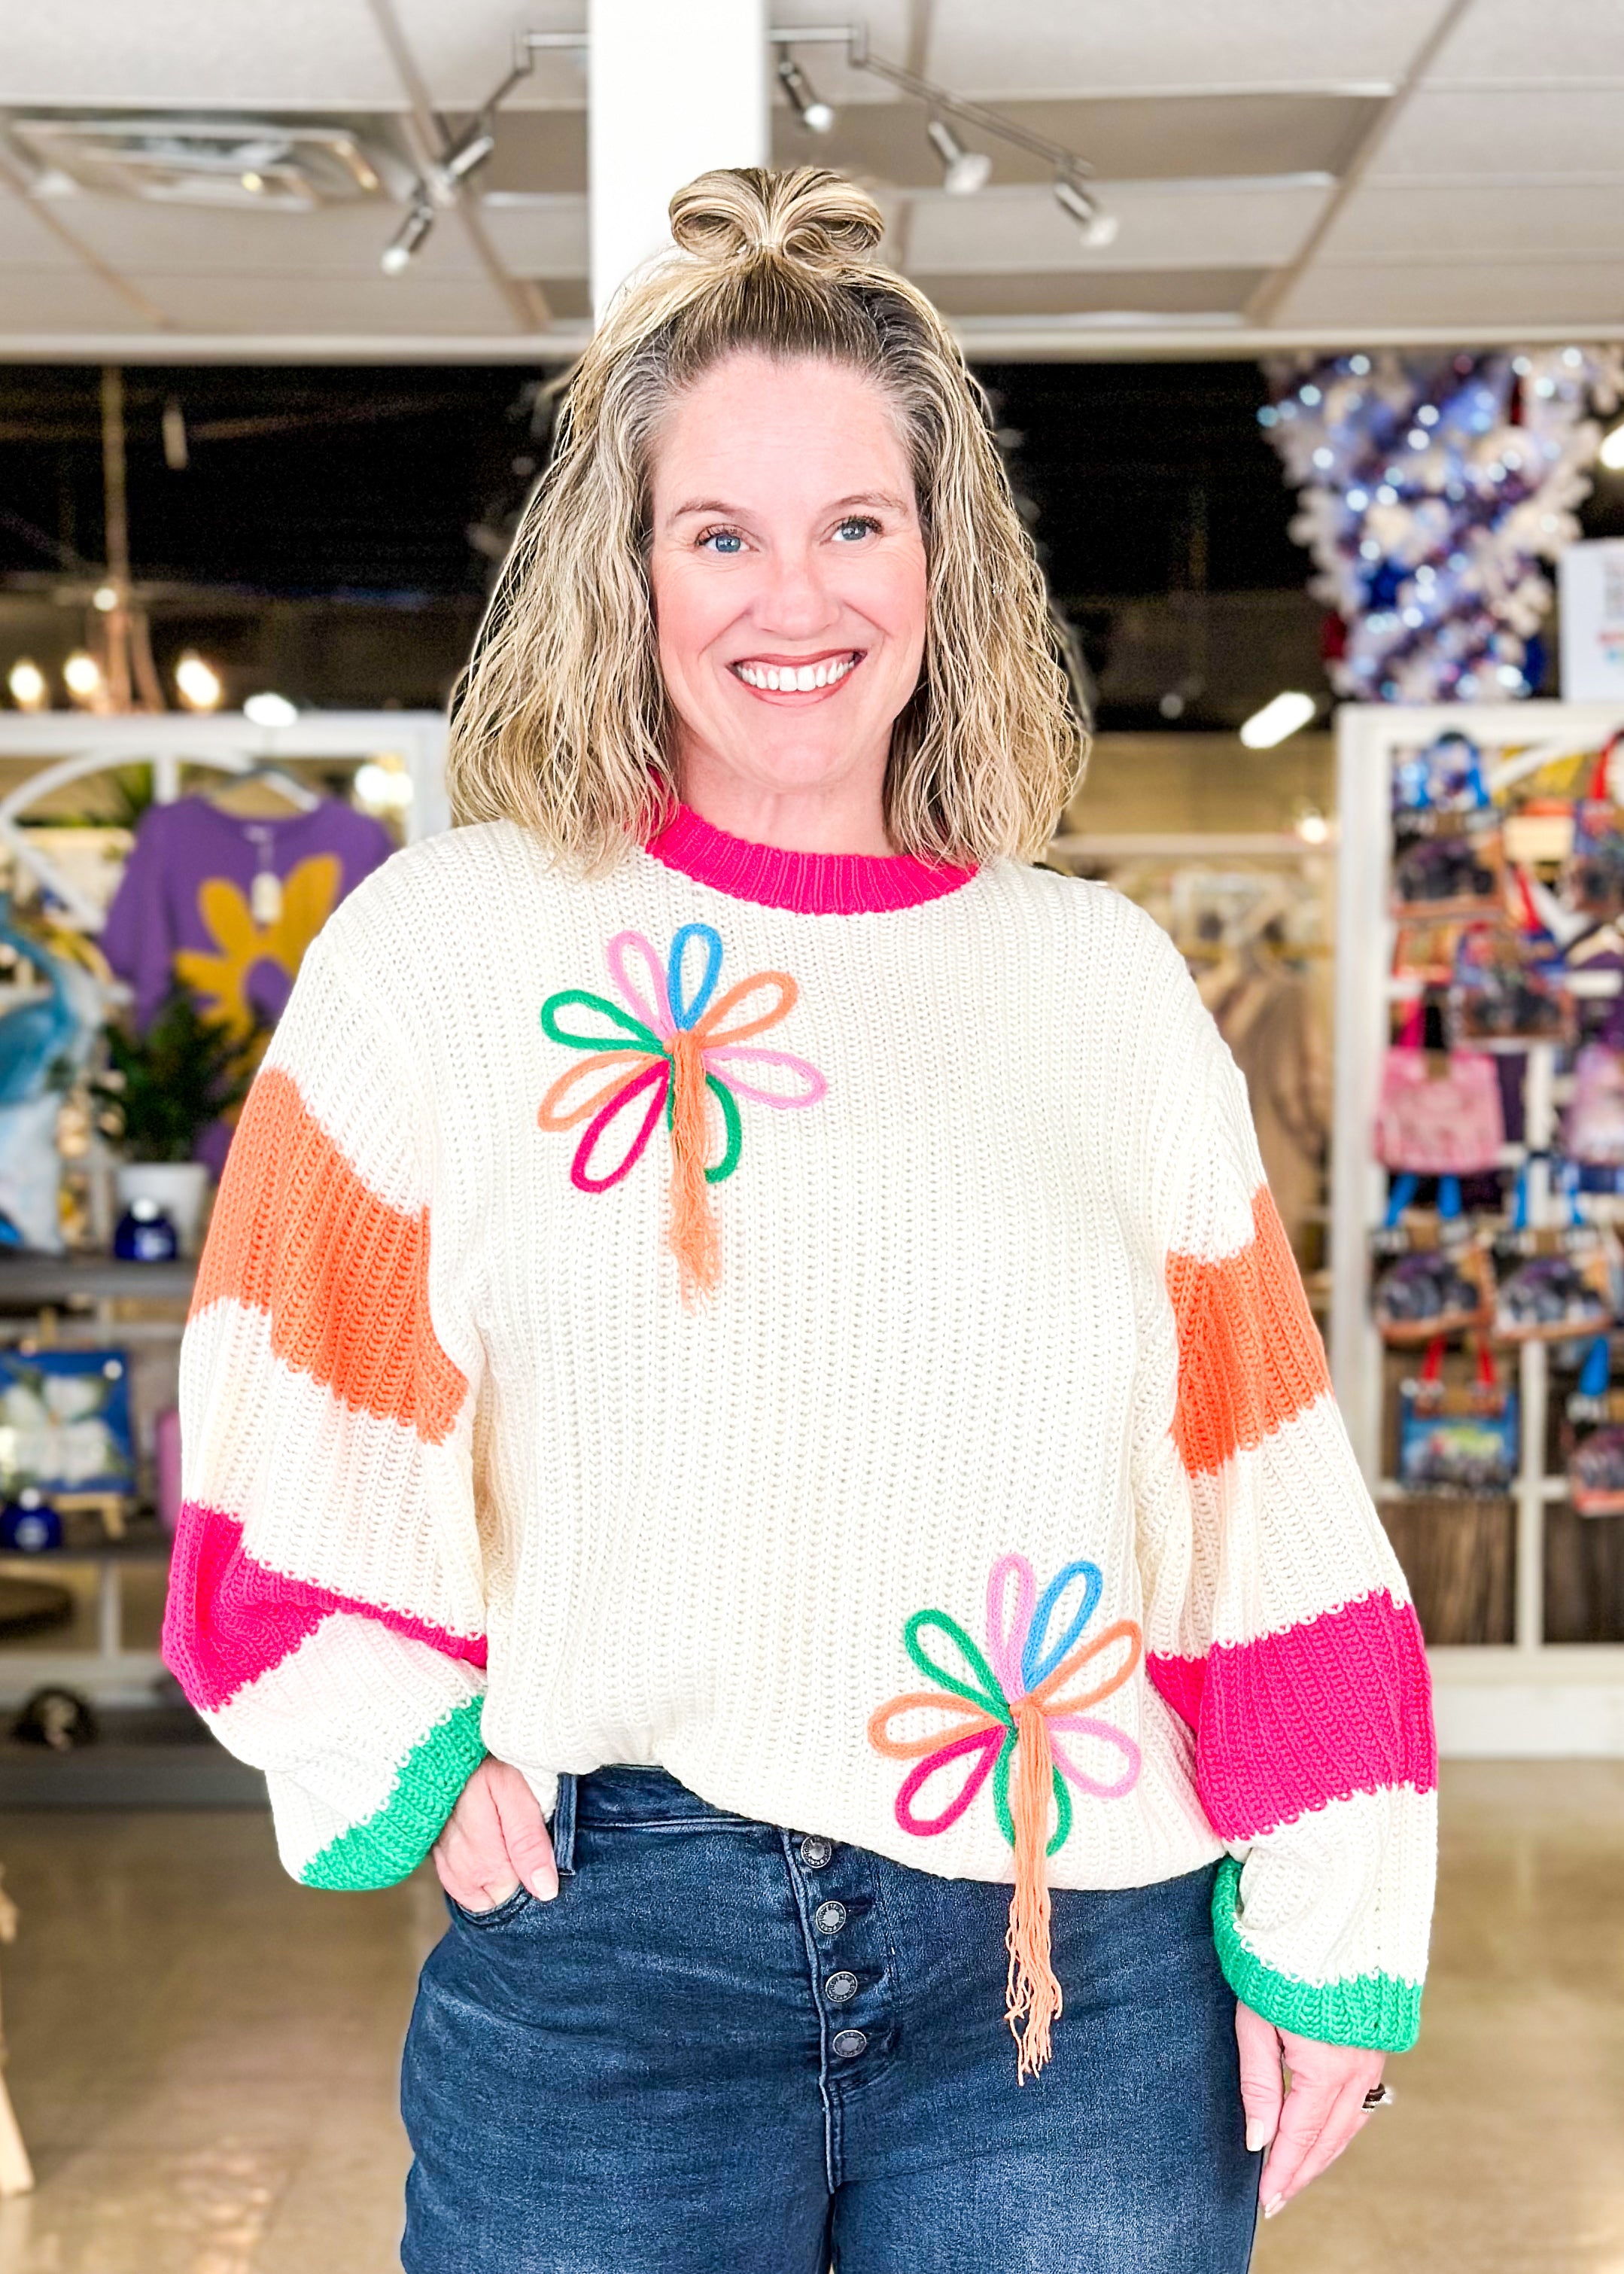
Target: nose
pixel 795 600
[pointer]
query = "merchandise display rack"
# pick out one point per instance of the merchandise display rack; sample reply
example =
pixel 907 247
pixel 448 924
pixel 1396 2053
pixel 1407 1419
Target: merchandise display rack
pixel 85 1295
pixel 1529 1697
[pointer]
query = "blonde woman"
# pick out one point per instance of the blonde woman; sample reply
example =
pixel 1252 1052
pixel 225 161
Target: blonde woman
pixel 747 1394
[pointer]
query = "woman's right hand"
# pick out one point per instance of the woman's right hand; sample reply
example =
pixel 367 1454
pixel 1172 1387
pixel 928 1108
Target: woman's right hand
pixel 495 1842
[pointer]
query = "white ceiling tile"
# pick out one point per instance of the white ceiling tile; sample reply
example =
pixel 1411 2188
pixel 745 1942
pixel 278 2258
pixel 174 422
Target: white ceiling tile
pixel 1057 47
pixel 545 237
pixel 26 239
pixel 1579 40
pixel 333 240
pixel 62 300
pixel 1523 130
pixel 1216 224
pixel 1488 293
pixel 1561 219
pixel 320 53
pixel 377 304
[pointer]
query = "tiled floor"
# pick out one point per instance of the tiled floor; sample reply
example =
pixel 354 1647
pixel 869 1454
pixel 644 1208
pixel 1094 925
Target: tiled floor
pixel 203 2054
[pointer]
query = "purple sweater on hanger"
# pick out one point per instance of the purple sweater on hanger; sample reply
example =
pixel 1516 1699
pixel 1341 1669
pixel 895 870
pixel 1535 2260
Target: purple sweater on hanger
pixel 229 906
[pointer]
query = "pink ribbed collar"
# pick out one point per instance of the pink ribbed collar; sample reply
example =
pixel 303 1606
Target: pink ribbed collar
pixel 811 883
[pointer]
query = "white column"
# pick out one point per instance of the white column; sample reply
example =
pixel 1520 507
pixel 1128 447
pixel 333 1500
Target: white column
pixel 675 88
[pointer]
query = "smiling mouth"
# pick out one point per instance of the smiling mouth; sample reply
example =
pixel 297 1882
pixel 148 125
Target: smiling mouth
pixel 817 676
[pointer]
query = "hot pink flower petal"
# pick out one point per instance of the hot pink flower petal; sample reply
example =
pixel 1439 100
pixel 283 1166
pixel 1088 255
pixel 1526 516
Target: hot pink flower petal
pixel 652 1079
pixel 984 1744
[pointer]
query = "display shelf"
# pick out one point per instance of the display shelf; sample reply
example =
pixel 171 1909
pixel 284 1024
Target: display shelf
pixel 1530 1697
pixel 39 1280
pixel 109 1673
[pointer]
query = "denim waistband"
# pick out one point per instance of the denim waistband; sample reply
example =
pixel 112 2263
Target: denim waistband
pixel 624 1794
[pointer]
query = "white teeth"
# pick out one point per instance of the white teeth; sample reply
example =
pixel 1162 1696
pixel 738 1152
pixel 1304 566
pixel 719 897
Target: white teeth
pixel 789 678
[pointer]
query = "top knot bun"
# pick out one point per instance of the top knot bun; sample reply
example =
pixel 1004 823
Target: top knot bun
pixel 805 215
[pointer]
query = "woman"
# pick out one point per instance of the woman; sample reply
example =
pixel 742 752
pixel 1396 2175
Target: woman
pixel 744 1320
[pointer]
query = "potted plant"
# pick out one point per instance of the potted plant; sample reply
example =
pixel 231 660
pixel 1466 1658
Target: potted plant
pixel 163 1088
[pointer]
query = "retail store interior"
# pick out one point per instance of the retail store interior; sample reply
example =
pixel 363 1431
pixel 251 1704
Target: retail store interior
pixel 1302 334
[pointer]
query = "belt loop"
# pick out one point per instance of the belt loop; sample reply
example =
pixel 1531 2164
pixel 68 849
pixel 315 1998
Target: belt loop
pixel 564 1826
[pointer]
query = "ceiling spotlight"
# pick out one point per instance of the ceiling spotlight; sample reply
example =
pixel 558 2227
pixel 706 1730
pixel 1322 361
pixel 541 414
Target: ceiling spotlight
pixel 1611 450
pixel 26 682
pixel 963 171
pixel 198 683
pixel 398 251
pixel 81 675
pixel 1278 719
pixel 1099 228
pixel 104 600
pixel 269 710
pixel 469 151
pixel 815 115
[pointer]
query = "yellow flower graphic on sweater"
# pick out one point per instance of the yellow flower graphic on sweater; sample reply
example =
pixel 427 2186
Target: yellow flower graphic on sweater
pixel 220 981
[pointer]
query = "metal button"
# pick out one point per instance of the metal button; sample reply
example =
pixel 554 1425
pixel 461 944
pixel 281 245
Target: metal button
pixel 815 1853
pixel 839 1987
pixel 829 1918
pixel 849 2043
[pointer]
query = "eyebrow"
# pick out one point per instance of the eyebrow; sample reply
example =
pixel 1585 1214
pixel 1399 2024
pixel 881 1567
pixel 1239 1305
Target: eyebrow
pixel 720 504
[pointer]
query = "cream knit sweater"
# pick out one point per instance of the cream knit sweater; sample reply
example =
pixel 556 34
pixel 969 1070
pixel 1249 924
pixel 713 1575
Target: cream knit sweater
pixel 1002 1432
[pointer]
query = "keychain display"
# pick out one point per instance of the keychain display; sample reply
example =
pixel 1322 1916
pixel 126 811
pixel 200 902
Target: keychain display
pixel 1502 997
pixel 1439 1113
pixel 1456 1438
pixel 1593 1129
pixel 1594 882
pixel 1595 1455
pixel 1446 777
pixel 1563 1290
pixel 1459 874
pixel 1437 1291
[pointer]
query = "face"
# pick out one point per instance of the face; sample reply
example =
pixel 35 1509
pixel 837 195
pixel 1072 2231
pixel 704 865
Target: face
pixel 788 575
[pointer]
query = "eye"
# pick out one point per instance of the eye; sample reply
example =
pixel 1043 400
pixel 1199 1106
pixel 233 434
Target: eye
pixel 856 525
pixel 725 541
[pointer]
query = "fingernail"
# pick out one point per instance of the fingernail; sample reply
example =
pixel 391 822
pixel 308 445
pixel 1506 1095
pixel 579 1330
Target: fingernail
pixel 1278 2204
pixel 544 1893
pixel 1256 2134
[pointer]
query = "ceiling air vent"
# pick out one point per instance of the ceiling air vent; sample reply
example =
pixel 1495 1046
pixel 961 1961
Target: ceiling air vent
pixel 209 161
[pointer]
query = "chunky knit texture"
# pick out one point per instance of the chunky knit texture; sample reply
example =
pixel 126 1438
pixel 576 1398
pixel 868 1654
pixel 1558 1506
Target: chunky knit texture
pixel 946 1463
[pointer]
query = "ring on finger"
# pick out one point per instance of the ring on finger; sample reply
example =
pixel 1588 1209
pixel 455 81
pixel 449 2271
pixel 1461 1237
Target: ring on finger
pixel 1380 2095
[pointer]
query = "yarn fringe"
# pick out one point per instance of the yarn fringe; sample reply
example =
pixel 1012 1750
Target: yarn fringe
pixel 693 1236
pixel 1032 1989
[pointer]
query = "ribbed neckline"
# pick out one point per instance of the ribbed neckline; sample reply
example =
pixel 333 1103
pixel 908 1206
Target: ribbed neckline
pixel 810 884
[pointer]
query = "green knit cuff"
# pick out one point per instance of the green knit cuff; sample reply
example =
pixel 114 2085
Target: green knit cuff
pixel 1381 2011
pixel 390 1845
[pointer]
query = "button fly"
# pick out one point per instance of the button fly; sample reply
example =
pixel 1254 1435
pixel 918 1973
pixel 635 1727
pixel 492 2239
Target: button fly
pixel 848 2043
pixel 829 1918
pixel 815 1853
pixel 839 1987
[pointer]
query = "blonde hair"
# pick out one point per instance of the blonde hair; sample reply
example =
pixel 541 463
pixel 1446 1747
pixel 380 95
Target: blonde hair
pixel 561 721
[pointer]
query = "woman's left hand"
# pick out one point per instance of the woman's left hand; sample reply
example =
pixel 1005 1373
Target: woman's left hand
pixel 1308 2127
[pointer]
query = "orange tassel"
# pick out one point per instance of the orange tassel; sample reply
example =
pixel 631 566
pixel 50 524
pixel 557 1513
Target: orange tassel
pixel 1034 1991
pixel 693 1237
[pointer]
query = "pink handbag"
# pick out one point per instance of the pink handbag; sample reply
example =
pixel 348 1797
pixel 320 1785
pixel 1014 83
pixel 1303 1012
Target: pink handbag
pixel 1438 1116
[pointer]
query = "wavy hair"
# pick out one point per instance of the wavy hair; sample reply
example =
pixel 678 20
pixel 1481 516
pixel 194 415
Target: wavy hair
pixel 561 719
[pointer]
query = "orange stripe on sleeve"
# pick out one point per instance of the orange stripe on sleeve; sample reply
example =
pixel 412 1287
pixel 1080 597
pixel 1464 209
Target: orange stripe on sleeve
pixel 343 1276
pixel 1250 1357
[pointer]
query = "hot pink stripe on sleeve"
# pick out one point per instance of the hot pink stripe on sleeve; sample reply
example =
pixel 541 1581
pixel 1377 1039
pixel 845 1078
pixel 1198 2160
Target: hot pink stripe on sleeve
pixel 1339 1704
pixel 230 1618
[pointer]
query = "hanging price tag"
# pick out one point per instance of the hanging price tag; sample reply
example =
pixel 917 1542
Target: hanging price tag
pixel 265 897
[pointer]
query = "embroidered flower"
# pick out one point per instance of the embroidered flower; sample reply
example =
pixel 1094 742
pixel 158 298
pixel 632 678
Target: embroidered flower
pixel 1022 1708
pixel 669 1051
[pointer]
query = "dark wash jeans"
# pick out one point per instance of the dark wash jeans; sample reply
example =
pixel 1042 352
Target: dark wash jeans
pixel 729 2048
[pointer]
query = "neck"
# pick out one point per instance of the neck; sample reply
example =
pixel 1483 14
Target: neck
pixel 840 816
